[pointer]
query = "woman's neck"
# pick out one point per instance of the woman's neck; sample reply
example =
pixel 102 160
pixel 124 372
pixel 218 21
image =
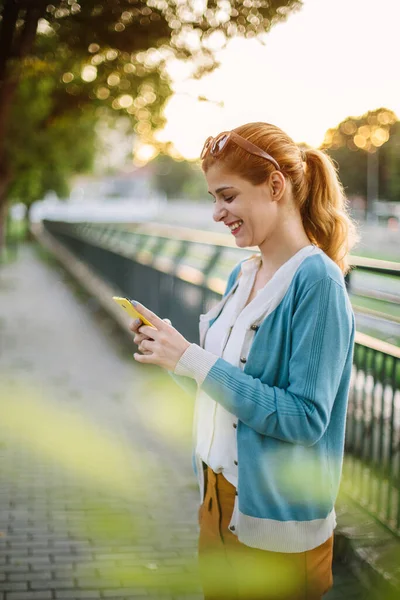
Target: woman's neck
pixel 280 248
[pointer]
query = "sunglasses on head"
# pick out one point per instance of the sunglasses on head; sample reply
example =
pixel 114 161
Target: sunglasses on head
pixel 215 146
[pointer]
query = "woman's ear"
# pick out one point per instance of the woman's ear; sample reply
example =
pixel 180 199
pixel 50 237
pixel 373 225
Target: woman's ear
pixel 277 185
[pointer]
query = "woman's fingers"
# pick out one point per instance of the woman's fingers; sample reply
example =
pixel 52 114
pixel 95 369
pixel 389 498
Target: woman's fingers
pixel 139 337
pixel 137 323
pixel 150 316
pixel 143 350
pixel 146 346
pixel 134 325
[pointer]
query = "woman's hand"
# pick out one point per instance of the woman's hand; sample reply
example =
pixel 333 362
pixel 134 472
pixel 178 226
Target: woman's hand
pixel 162 345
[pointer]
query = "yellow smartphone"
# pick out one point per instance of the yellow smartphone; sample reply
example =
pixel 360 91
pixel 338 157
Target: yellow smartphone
pixel 131 310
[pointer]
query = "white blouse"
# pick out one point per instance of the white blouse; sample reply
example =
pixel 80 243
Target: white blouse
pixel 215 427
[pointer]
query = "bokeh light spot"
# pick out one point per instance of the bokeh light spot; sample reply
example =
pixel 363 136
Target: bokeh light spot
pixel 89 73
pixel 125 101
pixel 360 141
pixel 379 136
pixel 129 68
pixel 113 79
pixel 102 93
pixel 68 77
pixel 364 131
pixel 349 127
pixel 111 54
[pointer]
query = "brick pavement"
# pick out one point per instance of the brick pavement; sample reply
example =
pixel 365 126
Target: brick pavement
pixel 74 523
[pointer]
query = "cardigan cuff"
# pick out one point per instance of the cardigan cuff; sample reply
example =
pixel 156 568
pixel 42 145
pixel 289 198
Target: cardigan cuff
pixel 195 362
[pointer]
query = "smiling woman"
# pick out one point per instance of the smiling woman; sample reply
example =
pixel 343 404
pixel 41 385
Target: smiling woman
pixel 272 370
pixel 298 184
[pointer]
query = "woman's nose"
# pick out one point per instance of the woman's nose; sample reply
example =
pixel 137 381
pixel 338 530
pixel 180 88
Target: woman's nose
pixel 219 213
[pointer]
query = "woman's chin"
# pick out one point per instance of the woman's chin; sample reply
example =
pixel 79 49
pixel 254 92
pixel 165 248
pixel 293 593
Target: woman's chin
pixel 241 241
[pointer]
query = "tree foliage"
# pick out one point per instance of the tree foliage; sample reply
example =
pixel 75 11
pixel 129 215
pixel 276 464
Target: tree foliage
pixel 97 56
pixel 390 165
pixel 114 52
pixel 349 143
pixel 178 179
pixel 45 152
pixel 64 66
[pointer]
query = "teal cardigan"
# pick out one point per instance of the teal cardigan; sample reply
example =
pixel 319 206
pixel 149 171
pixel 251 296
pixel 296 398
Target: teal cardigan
pixel 290 401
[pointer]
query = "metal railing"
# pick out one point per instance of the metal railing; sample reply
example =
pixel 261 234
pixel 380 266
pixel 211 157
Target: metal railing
pixel 371 473
pixel 377 297
pixel 180 273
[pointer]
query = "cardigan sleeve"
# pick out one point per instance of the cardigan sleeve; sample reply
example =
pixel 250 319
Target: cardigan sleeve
pixel 322 341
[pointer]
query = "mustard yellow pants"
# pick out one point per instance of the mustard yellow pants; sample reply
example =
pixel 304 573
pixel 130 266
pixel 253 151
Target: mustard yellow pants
pixel 230 570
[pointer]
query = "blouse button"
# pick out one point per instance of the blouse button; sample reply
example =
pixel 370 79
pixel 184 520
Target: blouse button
pixel 243 359
pixel 235 462
pixel 232 528
pixel 234 425
pixel 255 327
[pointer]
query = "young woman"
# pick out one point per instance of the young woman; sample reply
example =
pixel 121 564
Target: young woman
pixel 272 370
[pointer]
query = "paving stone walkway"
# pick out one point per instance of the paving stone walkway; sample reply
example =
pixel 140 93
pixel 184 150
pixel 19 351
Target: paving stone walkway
pixel 97 497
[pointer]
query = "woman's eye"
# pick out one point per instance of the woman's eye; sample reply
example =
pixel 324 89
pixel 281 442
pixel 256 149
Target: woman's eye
pixel 229 199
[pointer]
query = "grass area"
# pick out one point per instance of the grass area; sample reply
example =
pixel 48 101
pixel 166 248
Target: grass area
pixel 15 234
pixel 17 230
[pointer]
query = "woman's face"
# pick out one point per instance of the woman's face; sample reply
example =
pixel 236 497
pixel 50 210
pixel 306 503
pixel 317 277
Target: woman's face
pixel 252 212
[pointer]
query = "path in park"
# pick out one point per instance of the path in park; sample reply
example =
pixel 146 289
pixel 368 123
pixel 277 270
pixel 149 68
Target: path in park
pixel 96 485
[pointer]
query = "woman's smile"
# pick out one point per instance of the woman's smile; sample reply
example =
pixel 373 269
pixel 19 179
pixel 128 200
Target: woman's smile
pixel 237 229
pixel 235 226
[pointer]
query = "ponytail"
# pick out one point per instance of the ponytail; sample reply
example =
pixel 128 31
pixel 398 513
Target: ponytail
pixel 324 210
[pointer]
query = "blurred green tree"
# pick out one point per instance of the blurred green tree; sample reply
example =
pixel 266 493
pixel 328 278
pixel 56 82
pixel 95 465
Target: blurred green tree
pixel 390 166
pixel 355 143
pixel 112 53
pixel 178 178
pixel 40 147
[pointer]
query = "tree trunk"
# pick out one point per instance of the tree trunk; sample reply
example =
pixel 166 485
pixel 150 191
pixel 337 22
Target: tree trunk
pixel 6 98
pixel 5 180
pixel 3 218
pixel 28 235
pixel 7 32
pixel 7 90
pixel 12 51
